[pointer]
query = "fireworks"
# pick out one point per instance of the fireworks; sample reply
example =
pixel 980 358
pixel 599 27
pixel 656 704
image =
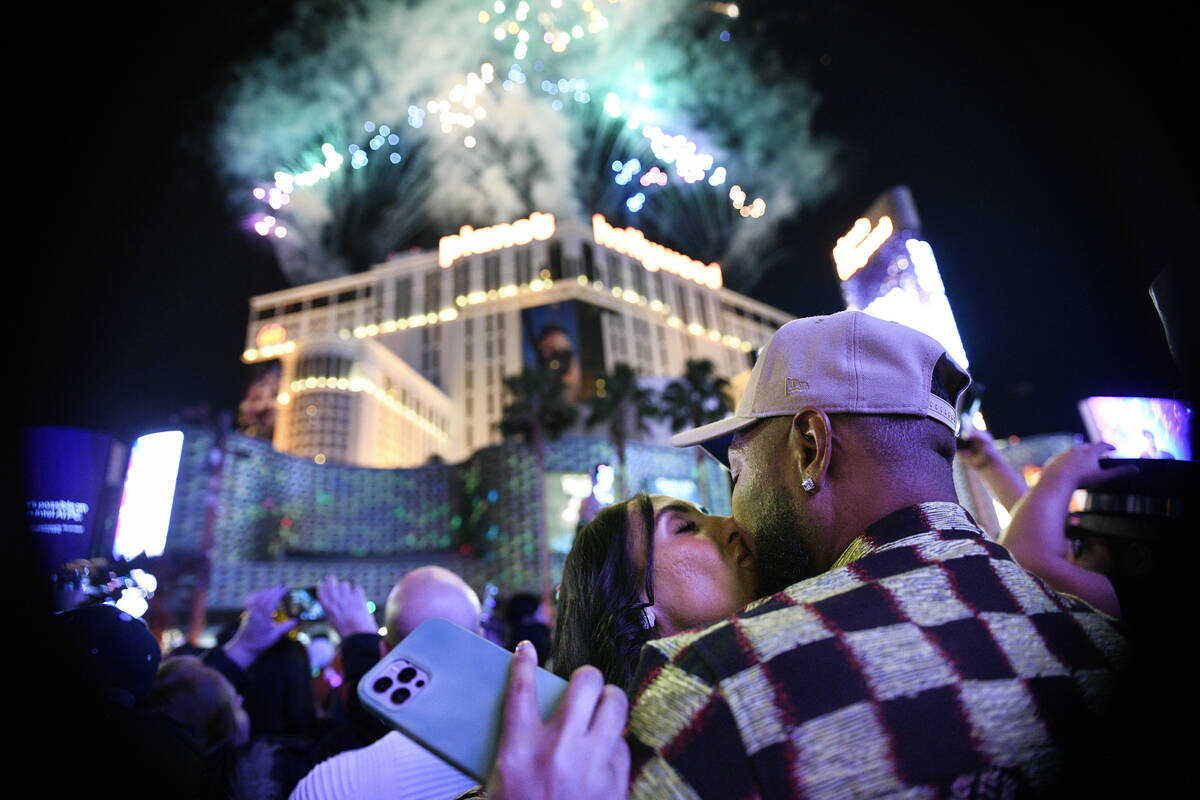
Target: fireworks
pixel 454 113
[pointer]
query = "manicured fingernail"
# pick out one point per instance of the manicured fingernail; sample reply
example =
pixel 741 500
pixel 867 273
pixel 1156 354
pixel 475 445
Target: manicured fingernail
pixel 524 646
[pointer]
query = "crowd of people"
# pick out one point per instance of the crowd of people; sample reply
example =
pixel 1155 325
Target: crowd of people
pixel 849 631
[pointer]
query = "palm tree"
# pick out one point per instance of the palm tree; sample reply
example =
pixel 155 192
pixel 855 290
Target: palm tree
pixel 623 406
pixel 538 412
pixel 697 398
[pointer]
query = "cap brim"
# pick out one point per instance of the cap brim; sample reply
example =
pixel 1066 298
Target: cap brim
pixel 714 437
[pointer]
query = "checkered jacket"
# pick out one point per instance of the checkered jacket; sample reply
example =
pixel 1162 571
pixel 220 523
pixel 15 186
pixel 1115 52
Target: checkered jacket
pixel 924 663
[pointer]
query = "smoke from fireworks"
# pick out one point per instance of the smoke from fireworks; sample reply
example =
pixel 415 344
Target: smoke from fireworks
pixel 372 127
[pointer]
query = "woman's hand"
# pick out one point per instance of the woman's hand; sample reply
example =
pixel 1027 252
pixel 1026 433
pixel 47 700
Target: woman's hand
pixel 580 753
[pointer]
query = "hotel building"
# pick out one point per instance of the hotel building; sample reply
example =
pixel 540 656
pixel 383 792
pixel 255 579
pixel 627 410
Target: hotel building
pixel 404 362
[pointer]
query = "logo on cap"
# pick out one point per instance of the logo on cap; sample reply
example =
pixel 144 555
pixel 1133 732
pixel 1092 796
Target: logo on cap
pixel 795 386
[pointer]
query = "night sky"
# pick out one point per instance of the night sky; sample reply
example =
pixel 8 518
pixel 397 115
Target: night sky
pixel 1048 153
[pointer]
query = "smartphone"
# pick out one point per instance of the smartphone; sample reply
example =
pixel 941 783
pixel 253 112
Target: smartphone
pixel 443 687
pixel 969 407
pixel 302 604
pixel 1140 427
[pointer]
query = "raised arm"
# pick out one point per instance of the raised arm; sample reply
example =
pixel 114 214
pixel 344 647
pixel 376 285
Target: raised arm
pixel 1037 534
pixel 1002 479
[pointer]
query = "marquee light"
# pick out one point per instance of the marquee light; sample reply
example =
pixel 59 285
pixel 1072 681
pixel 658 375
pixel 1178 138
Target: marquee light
pixel 633 243
pixel 468 241
pixel 853 250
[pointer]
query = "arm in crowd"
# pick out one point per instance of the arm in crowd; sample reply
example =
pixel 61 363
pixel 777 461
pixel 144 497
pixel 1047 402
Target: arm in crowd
pixel 345 607
pixel 256 633
pixel 1002 479
pixel 1037 538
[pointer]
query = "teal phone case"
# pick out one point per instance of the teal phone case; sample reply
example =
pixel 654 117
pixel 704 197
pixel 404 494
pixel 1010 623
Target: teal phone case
pixel 454 704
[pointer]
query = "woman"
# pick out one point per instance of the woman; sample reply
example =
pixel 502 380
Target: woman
pixel 202 700
pixel 651 566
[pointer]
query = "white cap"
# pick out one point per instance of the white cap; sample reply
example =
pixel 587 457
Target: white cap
pixel 844 363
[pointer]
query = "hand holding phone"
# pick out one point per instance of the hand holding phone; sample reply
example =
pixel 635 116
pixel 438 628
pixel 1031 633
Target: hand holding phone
pixel 444 687
pixel 302 605
pixel 580 752
pixel 259 627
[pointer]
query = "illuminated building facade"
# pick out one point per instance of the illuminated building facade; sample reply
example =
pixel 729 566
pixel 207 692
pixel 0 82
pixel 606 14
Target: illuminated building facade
pixel 406 361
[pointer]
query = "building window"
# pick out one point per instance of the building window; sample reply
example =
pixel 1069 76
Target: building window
pixel 641 339
pixel 612 271
pixel 403 299
pixel 491 272
pixel 433 291
pixel 684 313
pixel 554 253
pixel 702 303
pixel 462 278
pixel 524 261
pixel 589 262
pixel 639 279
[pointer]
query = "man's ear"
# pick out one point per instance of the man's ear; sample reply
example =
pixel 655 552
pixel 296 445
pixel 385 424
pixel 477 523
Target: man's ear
pixel 810 441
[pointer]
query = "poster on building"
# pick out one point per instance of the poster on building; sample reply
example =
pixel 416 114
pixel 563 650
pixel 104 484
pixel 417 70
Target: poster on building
pixel 256 411
pixel 568 339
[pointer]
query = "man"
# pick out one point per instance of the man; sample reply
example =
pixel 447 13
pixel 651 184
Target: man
pixel 392 766
pixel 556 352
pixel 896 650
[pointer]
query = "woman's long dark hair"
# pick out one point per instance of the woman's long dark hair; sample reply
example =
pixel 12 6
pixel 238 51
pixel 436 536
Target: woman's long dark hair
pixel 600 617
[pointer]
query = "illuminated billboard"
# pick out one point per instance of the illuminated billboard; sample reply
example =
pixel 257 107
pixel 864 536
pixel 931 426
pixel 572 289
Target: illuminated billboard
pixel 566 338
pixel 887 270
pixel 149 494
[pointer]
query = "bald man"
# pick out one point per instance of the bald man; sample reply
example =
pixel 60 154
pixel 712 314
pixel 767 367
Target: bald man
pixel 391 764
pixel 429 593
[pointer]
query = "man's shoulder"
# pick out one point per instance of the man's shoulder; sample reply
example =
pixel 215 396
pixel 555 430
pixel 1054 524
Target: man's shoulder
pixel 937 626
pixel 392 765
pixel 930 584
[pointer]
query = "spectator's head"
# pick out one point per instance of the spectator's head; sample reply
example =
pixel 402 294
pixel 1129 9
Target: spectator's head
pixel 844 419
pixel 111 656
pixel 202 700
pixel 644 568
pixel 428 593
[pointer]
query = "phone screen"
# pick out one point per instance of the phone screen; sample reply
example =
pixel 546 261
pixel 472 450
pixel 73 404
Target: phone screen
pixel 302 604
pixel 1140 427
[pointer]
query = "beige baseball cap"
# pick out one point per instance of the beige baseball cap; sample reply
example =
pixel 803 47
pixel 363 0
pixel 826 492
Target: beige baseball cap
pixel 844 363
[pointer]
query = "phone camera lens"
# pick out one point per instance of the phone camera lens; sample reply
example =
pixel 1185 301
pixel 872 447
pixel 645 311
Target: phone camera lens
pixel 400 695
pixel 381 685
pixel 407 674
pixel 420 684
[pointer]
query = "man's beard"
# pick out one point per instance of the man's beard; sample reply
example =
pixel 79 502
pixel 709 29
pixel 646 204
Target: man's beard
pixel 779 558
